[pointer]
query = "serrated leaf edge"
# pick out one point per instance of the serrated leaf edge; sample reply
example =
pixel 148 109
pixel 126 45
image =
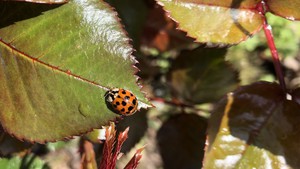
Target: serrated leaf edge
pixel 207 44
pixel 132 59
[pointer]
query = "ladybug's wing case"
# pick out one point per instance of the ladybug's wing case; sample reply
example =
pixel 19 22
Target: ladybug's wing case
pixel 126 102
pixel 122 101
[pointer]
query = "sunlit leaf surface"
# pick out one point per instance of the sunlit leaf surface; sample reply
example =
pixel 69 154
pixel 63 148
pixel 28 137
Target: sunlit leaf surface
pixel 43 1
pixel 224 3
pixel 56 67
pixel 288 9
pixel 257 126
pixel 215 22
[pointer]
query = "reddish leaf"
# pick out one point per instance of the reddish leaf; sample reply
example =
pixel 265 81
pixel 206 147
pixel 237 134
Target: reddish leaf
pixel 108 155
pixel 160 32
pixel 288 9
pixel 133 163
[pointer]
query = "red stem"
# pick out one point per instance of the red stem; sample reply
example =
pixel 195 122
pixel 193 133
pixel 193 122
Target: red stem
pixel 262 8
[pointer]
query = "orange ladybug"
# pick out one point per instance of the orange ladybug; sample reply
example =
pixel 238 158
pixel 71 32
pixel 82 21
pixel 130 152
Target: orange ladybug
pixel 122 101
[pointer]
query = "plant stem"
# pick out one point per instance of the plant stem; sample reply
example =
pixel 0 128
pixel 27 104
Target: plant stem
pixel 269 35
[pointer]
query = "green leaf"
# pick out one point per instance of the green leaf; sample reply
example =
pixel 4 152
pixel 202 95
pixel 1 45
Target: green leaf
pixel 215 22
pixel 288 9
pixel 43 1
pixel 55 69
pixel 28 162
pixel 201 75
pixel 257 126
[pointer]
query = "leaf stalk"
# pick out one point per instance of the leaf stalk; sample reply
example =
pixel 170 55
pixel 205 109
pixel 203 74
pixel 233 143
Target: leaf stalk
pixel 262 8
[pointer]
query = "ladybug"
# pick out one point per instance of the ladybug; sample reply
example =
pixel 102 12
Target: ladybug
pixel 121 101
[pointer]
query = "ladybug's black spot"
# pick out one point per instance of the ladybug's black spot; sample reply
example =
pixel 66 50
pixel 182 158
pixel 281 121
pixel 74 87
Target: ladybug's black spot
pixel 126 98
pixel 128 112
pixel 123 92
pixel 134 102
pixel 122 110
pixel 117 103
pixel 123 103
pixel 118 96
pixel 130 108
pixel 131 94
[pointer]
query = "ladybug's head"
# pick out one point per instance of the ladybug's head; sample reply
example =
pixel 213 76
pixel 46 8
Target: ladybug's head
pixel 111 95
